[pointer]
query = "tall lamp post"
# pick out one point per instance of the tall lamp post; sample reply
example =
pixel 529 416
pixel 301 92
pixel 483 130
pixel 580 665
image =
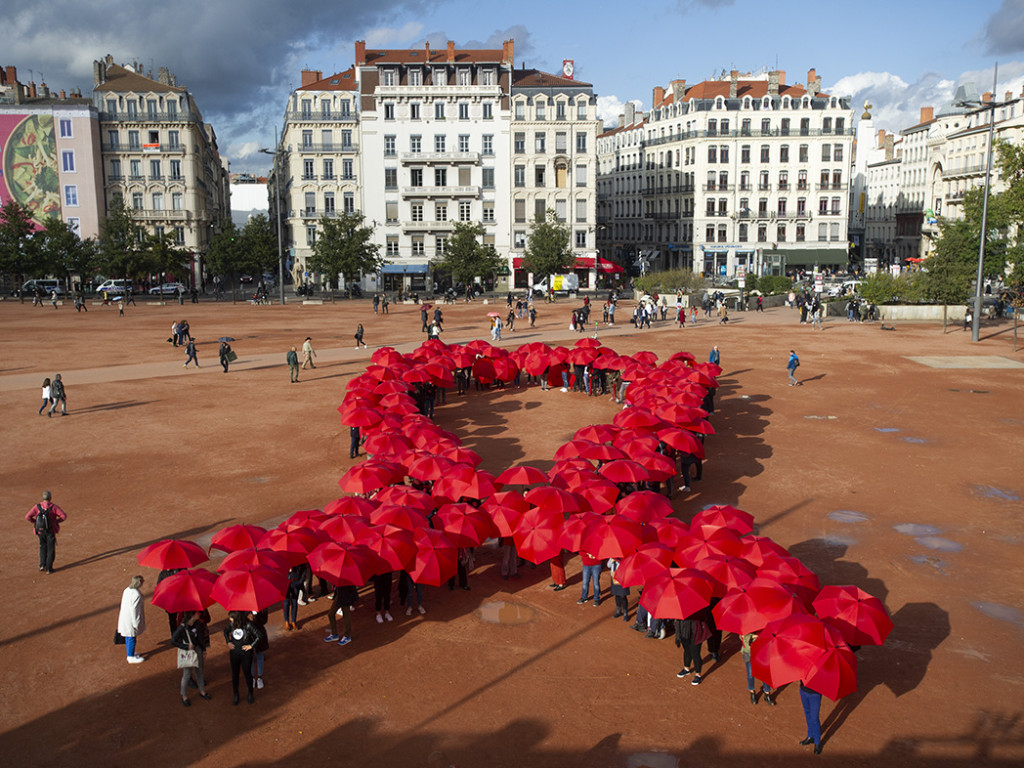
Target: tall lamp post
pixel 991 107
pixel 275 153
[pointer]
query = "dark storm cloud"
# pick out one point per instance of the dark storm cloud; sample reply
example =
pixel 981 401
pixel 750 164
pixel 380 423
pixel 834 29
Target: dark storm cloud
pixel 1004 32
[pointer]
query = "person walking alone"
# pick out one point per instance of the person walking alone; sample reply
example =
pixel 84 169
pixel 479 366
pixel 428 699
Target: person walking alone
pixel 308 353
pixel 225 355
pixel 359 337
pixel 791 366
pixel 190 350
pixel 292 358
pixel 46 518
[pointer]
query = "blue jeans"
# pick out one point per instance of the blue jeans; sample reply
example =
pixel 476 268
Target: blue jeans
pixel 750 679
pixel 592 574
pixel 565 379
pixel 811 701
pixel 129 646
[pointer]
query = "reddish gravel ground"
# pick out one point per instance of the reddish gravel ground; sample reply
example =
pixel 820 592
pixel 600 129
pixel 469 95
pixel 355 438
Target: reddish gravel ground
pixel 879 471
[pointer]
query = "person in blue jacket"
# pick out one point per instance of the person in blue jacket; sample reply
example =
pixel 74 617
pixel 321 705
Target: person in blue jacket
pixel 791 366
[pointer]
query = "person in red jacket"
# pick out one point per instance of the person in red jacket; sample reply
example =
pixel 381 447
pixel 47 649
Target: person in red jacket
pixel 591 573
pixel 46 529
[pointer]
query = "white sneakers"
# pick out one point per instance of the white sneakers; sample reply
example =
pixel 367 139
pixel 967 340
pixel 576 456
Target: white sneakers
pixel 135 659
pixel 259 682
pixel 388 616
pixel 422 610
pixel 408 611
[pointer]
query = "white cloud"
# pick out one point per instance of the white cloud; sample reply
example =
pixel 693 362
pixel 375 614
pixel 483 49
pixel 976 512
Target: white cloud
pixel 610 107
pixel 390 37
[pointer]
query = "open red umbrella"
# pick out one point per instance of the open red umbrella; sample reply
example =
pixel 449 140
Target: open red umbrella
pixel 644 506
pixel 350 505
pixel 237 537
pixel 758 549
pixel 681 440
pixel 624 471
pixel 429 467
pixel 463 481
pixel 304 518
pixel 249 590
pixel 602 452
pixel 573 478
pixel 599 495
pixel 185 591
pixel 351 564
pixel 405 496
pixel 727 572
pixel 370 476
pixel 395 545
pixel 676 593
pixel 859 617
pixel 386 356
pixel 704 540
pixel 462 455
pixel 597 433
pixel 409 518
pixel 505 368
pixel 659 466
pixel 440 375
pixel 414 375
pixel 668 530
pixel 523 474
pixel 640 418
pixel 725 516
pixel 748 609
pixel 359 416
pixel 505 509
pixel 172 553
pixel 344 528
pixel 436 559
pixel 613 536
pixel 802 647
pixel 387 442
pixel 636 441
pixel 575 528
pixel 293 545
pixel 263 557
pixel 464 524
pixel 553 499
pixel 643 563
pixel 833 672
pixel 791 572
pixel 572 449
pixel 483 370
pixel 538 543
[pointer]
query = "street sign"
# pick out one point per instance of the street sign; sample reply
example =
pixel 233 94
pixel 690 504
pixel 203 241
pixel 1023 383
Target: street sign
pixel 819 283
pixel 741 277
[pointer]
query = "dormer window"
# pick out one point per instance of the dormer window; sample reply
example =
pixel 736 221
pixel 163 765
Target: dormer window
pixel 415 76
pixel 487 77
pixel 440 76
pixel 464 76
pixel 388 77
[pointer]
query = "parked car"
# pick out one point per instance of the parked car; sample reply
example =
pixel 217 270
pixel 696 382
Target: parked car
pixel 45 286
pixel 168 289
pixel 112 287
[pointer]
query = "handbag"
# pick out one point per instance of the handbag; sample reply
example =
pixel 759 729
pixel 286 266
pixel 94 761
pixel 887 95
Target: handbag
pixel 232 356
pixel 118 638
pixel 188 657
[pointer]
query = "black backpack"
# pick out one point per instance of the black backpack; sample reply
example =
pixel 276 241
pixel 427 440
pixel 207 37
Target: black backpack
pixel 42 523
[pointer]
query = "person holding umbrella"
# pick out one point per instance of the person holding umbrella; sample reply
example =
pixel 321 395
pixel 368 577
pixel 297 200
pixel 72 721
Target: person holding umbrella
pixel 746 640
pixel 690 633
pixel 225 352
pixel 241 638
pixel 345 597
pixel 192 635
pixel 811 701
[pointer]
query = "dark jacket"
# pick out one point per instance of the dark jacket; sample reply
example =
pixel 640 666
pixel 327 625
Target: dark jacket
pixel 246 634
pixel 694 629
pixel 196 633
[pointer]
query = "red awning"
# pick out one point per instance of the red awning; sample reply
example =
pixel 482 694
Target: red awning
pixel 609 266
pixel 582 262
pixel 517 262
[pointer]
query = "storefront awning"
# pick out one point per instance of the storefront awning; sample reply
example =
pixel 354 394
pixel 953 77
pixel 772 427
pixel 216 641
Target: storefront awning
pixel 609 266
pixel 582 262
pixel 404 269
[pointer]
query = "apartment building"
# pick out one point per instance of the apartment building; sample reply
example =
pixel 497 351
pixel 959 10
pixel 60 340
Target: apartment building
pixel 57 137
pixel 159 156
pixel 744 172
pixel 554 164
pixel 620 181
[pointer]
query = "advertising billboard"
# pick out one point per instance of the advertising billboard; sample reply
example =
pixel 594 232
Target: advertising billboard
pixel 28 164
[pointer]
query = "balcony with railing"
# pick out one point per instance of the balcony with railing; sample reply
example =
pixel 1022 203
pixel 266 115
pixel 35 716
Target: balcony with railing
pixel 470 191
pixel 122 116
pixel 440 157
pixel 427 226
pixel 331 146
pixel 968 170
pixel 309 116
pixel 160 214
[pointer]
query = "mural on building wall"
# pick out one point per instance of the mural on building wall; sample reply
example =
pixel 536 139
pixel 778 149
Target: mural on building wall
pixel 28 164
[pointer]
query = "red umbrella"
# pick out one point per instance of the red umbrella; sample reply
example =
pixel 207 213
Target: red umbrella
pixel 748 609
pixel 643 563
pixel 395 545
pixel 613 536
pixel 483 370
pixel 676 593
pixel 701 427
pixel 436 559
pixel 172 553
pixel 387 442
pixel 725 516
pixel 588 343
pixel 505 369
pixel 802 647
pixel 405 496
pixel 237 537
pixel 463 357
pixel 344 528
pixel 833 672
pixel 522 474
pixel 573 448
pixel 554 500
pixel 185 591
pixel 582 356
pixel 359 416
pixel 791 572
pixel 416 375
pixel 704 540
pixel 574 478
pixel 597 433
pixel 600 495
pixel 350 505
pixel 505 509
pixel 440 374
pixel 640 418
pixel 659 466
pixel 370 476
pixel 859 617
pixel 644 506
pixel 465 482
pixel 351 564
pixel 390 385
pixel 249 590
pixel 464 524
pixel 294 545
pixel 463 456
pixel 758 549
pixel 636 441
pixel 669 530
pixel 727 572
pixel 386 356
pixel 243 559
pixel 681 440
pixel 409 518
pixel 575 528
pixel 648 358
pixel 538 540
pixel 535 364
pixel 429 467
pixel 602 452
pixel 304 518
pixel 624 471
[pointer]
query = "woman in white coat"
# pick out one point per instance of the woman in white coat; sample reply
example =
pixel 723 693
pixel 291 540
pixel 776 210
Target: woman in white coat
pixel 131 621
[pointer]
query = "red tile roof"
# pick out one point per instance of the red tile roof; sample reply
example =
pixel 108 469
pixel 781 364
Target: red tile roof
pixel 419 56
pixel 341 81
pixel 755 89
pixel 534 78
pixel 121 79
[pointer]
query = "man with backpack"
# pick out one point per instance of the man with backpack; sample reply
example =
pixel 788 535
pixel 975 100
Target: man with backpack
pixel 46 518
pixel 58 397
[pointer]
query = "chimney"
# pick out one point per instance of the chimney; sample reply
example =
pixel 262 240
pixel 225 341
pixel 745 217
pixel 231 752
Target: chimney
pixel 361 52
pixel 44 90
pixel 1008 96
pixel 678 90
pixel 427 47
pixel 99 72
pixel 310 76
pixel 630 113
pixel 773 83
pixel 782 77
pixel 63 96
pixel 986 96
pixel 32 89
pixel 508 52
pixel 657 97
pixel 880 141
pixel 451 51
pixel 12 75
pixel 927 113
pixel 163 75
pixel 811 76
pixel 734 77
pixel 889 146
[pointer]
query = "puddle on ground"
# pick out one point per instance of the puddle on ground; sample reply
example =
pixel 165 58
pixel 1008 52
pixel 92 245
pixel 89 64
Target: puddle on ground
pixel 822 418
pixel 1001 612
pixel 915 529
pixel 918 440
pixel 652 760
pixel 934 562
pixel 500 612
pixel 887 429
pixel 257 479
pixel 937 542
pixel 847 516
pixel 991 492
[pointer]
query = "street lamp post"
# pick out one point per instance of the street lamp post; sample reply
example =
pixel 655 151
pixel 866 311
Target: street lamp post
pixel 277 207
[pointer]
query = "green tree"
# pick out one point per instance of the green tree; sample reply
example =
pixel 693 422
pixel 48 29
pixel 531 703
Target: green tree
pixel 466 257
pixel 164 257
pixel 259 246
pixel 548 251
pixel 225 256
pixel 344 249
pixel 65 252
pixel 121 246
pixel 669 281
pixel 19 253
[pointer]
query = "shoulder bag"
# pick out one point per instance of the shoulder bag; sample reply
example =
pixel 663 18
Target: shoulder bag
pixel 188 657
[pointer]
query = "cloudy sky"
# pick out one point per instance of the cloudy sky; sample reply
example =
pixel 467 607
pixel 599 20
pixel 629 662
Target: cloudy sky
pixel 242 64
